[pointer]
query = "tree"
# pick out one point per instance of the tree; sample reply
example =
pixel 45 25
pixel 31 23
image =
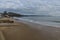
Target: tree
pixel 10 14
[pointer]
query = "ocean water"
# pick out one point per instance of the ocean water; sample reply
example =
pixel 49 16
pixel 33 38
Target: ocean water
pixel 50 21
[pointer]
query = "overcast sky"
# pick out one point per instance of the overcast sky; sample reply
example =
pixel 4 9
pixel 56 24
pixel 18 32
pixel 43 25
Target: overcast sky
pixel 50 6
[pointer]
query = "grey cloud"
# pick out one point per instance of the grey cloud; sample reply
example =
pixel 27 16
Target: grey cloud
pixel 41 6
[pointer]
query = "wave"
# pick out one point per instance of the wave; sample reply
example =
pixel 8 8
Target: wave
pixel 50 23
pixel 28 20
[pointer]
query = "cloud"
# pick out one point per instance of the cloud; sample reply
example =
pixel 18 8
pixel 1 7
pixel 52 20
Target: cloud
pixel 10 4
pixel 51 7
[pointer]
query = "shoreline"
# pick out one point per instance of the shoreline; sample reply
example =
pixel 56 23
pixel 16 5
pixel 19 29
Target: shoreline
pixel 30 31
pixel 32 23
pixel 53 24
pixel 49 32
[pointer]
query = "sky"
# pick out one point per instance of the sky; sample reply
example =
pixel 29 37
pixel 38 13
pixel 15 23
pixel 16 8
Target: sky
pixel 52 7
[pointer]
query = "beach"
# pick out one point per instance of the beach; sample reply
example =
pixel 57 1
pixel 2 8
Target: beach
pixel 29 31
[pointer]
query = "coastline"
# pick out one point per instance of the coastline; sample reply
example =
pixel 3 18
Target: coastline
pixel 48 32
pixel 30 31
pixel 45 23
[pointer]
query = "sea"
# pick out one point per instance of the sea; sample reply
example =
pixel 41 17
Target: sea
pixel 48 21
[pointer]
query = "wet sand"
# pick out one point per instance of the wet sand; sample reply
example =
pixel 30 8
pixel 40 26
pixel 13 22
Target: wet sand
pixel 29 31
pixel 20 32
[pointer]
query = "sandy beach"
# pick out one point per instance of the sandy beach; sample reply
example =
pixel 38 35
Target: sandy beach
pixel 29 31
